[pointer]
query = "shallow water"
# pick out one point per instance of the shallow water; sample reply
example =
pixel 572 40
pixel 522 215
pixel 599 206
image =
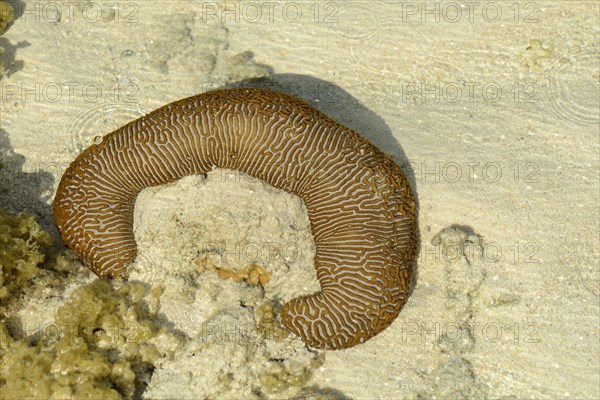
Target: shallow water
pixel 491 109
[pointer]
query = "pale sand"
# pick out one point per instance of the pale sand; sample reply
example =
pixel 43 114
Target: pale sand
pixel 517 174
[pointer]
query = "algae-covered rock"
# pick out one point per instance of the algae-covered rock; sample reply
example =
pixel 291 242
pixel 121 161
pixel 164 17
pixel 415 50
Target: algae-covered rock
pixel 108 347
pixel 22 248
pixel 7 14
pixel 115 320
pixel 70 370
pixel 268 324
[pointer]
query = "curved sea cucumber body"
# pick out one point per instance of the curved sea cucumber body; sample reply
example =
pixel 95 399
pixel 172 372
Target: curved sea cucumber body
pixel 360 206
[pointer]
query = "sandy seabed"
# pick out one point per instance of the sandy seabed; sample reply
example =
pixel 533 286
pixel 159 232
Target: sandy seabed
pixel 491 108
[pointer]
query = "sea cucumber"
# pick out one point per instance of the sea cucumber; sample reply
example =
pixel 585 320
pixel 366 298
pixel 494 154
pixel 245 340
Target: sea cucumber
pixel 360 206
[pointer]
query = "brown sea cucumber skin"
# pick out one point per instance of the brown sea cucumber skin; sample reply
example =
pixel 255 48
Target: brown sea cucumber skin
pixel 361 210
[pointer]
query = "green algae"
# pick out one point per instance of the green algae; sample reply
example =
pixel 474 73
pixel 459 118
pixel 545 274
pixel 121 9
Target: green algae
pixel 108 347
pixel 23 244
pixel 279 377
pixel 268 325
pixel 67 370
pixel 7 13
